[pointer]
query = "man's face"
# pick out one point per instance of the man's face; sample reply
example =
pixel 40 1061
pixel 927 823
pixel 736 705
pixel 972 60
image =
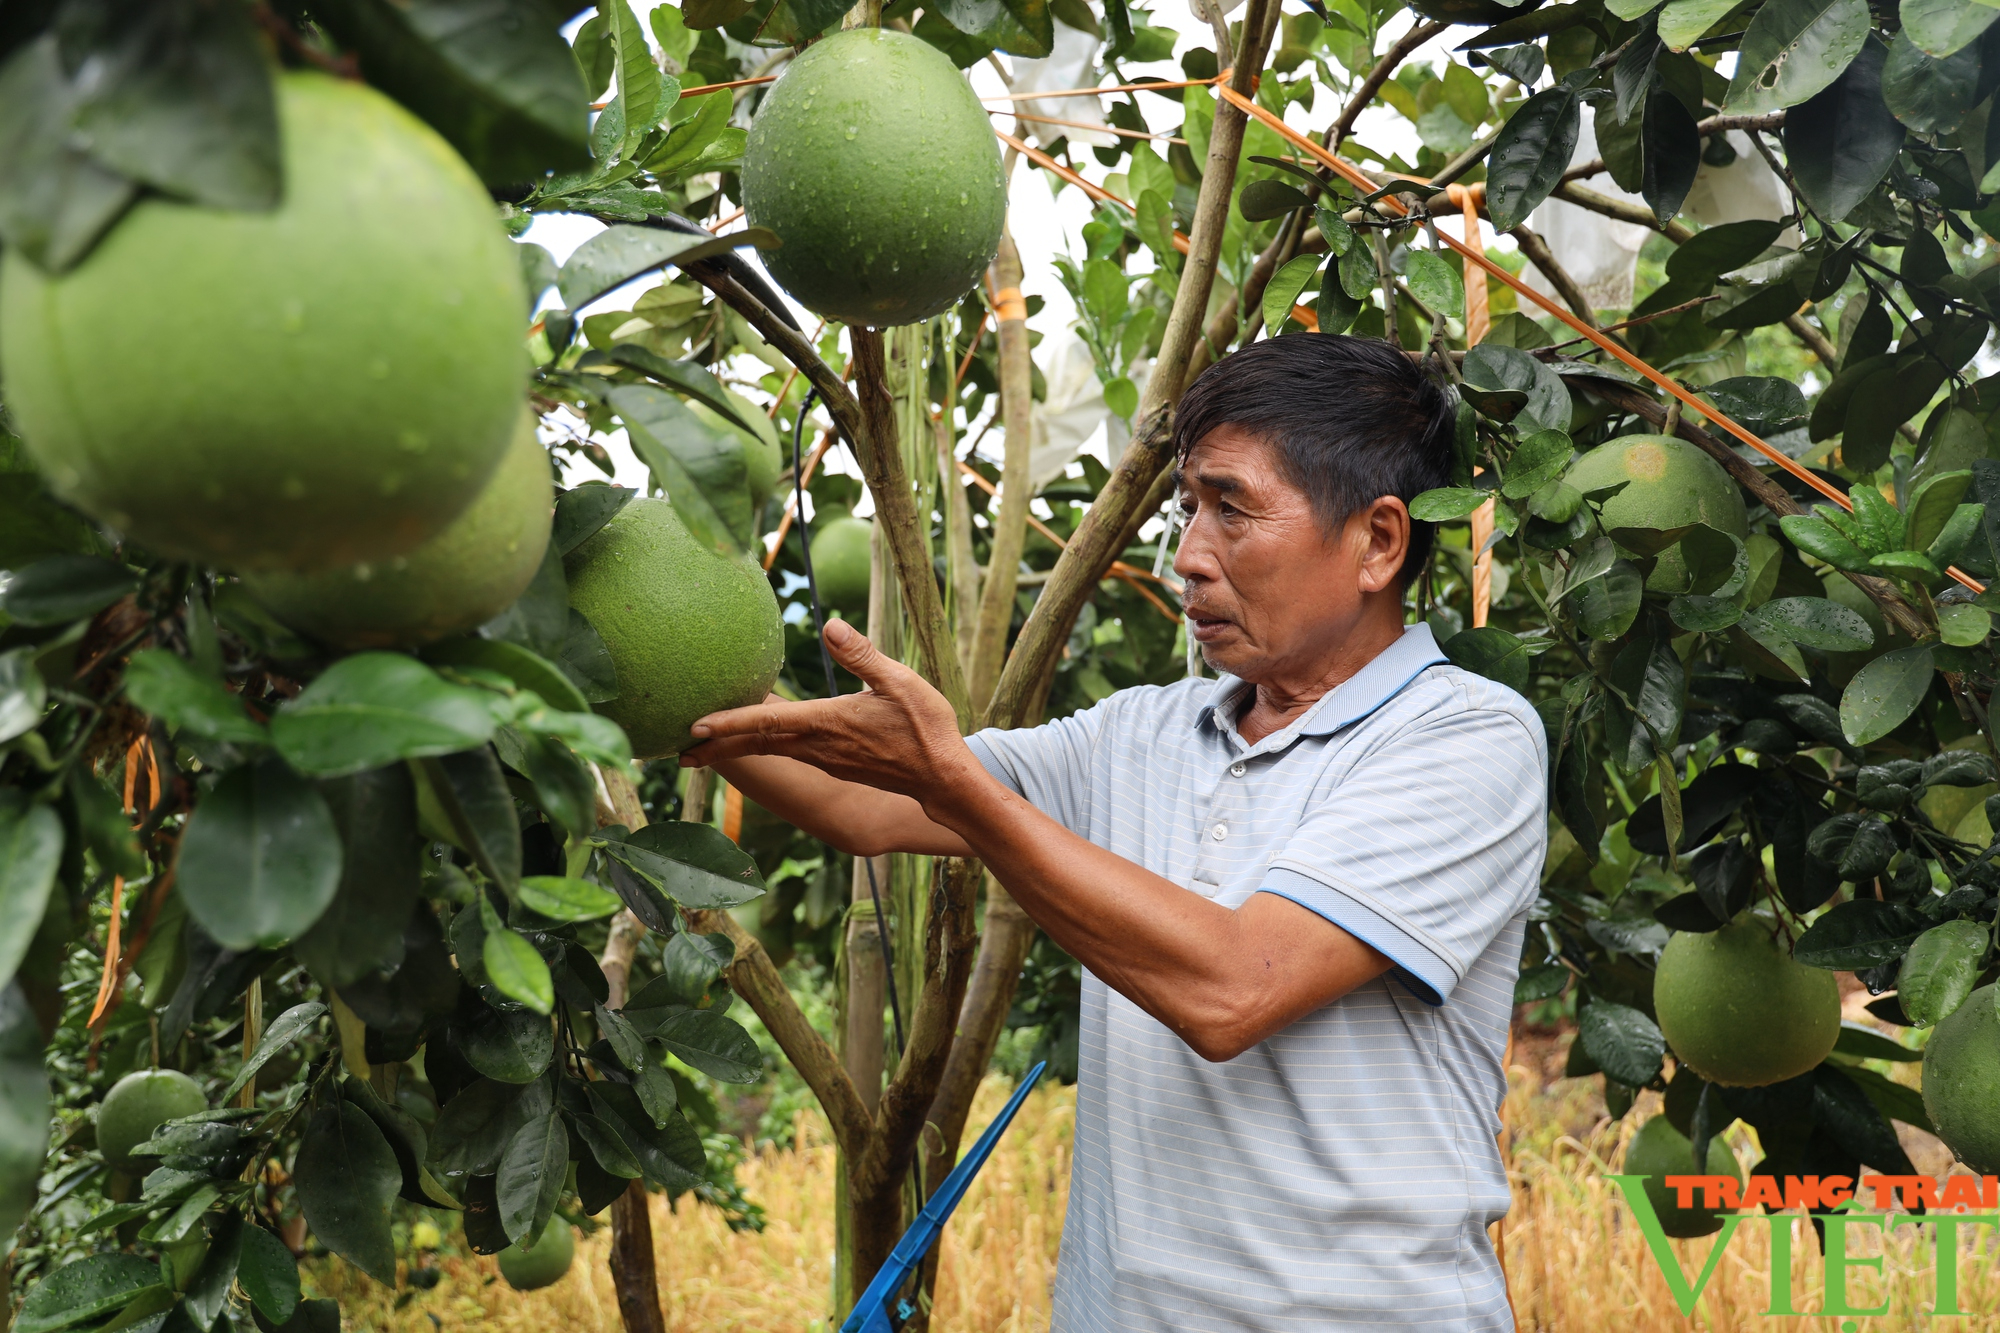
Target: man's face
pixel 1269 592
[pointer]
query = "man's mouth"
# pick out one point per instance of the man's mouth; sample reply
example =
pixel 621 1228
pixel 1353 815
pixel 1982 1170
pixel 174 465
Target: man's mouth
pixel 1205 626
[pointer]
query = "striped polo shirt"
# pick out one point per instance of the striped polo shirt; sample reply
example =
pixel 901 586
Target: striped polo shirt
pixel 1341 1174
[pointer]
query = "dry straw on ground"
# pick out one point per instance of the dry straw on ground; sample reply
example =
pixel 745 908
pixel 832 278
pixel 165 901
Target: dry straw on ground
pixel 1575 1259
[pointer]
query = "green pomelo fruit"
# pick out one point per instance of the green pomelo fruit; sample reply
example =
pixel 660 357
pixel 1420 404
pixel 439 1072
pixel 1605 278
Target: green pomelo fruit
pixel 690 632
pixel 1740 1011
pixel 328 382
pixel 137 1105
pixel 877 167
pixel 459 579
pixel 1672 486
pixel 540 1263
pixel 840 556
pixel 1659 1150
pixel 1962 1080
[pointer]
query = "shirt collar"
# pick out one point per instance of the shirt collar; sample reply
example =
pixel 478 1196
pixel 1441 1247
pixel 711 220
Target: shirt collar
pixel 1347 703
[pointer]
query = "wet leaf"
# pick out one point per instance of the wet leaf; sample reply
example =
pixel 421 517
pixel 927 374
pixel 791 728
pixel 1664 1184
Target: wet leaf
pixel 1884 693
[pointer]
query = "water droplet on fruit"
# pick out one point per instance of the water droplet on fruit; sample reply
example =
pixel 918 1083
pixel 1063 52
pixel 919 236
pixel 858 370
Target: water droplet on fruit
pixel 853 130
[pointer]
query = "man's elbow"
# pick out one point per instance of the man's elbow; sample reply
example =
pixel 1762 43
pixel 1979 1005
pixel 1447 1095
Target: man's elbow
pixel 1224 1028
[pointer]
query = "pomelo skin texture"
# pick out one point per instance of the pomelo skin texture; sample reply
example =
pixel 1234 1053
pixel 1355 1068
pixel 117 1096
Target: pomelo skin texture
pixel 1659 1150
pixel 459 579
pixel 1739 1011
pixel 1962 1080
pixel 690 632
pixel 1673 485
pixel 840 555
pixel 137 1105
pixel 541 1263
pixel 876 166
pixel 329 382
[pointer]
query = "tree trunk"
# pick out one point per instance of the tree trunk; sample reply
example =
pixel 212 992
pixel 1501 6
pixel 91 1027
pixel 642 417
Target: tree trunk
pixel 1010 522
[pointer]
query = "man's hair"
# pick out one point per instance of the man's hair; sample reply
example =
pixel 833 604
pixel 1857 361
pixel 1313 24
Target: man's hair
pixel 1352 419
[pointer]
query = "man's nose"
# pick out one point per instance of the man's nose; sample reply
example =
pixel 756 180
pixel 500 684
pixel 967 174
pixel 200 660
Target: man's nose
pixel 1194 557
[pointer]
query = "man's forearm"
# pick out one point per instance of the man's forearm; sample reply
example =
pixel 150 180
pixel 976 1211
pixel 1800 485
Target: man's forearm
pixel 858 820
pixel 1223 979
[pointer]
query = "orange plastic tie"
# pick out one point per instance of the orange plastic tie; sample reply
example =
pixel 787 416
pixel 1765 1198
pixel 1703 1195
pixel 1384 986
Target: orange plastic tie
pixel 1008 304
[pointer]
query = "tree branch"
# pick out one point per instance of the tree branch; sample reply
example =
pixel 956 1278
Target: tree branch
pixel 906 532
pixel 1538 253
pixel 996 973
pixel 1713 125
pixel 1572 193
pixel 755 977
pixel 1090 550
pixel 1746 474
pixel 1386 66
pixel 794 347
pixel 1010 521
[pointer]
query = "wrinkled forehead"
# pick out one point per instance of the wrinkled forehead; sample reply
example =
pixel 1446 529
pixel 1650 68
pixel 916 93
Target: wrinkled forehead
pixel 1233 458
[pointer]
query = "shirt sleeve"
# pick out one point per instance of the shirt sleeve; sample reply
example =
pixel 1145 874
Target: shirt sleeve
pixel 1047 766
pixel 1429 846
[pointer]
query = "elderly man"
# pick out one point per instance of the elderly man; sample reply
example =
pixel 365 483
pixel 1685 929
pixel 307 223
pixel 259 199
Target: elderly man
pixel 1299 890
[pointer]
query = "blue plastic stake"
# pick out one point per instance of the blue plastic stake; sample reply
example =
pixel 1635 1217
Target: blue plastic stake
pixel 871 1312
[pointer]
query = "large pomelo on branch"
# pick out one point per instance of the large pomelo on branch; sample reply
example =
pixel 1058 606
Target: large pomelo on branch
pixel 1669 486
pixel 136 1107
pixel 690 632
pixel 1659 1150
pixel 1739 1010
pixel 877 167
pixel 459 579
pixel 542 1262
pixel 1962 1080
pixel 327 382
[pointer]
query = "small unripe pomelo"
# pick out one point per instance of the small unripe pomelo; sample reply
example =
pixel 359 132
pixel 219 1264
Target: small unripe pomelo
pixel 875 164
pixel 1739 1010
pixel 459 579
pixel 542 1262
pixel 1962 1080
pixel 327 382
pixel 1659 1150
pixel 690 632
pixel 1672 485
pixel 840 558
pixel 136 1106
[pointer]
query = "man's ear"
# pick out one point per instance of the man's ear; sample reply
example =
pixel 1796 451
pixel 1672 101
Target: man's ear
pixel 1382 529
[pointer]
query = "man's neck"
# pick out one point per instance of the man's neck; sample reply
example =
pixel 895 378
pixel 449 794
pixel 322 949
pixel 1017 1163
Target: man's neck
pixel 1276 703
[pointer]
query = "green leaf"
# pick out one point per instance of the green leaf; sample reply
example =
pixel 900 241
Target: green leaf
pixel 512 964
pixel 260 858
pixel 474 811
pixel 24 1108
pixel 1671 154
pixel 1864 1043
pixel 1121 395
pixel 1944 27
pixel 1940 970
pixel 507 1046
pixel 1929 94
pixel 494 77
pixel 1286 286
pixel 85 1291
pixel 1966 523
pixel 580 512
pixel 1625 1043
pixel 1546 404
pixel 1715 251
pixel 1859 934
pixel 346 1177
pixel 55 200
pixel 1334 230
pixel 373 709
pixel 1883 693
pixel 1816 622
pixel 694 380
pixel 1763 403
pixel 1539 460
pixel 702 470
pixel 996 24
pixel 1792 49
pixel 1879 523
pixel 561 898
pixel 527 669
pixel 689 965
pixel 531 1176
pixel 1435 283
pixel 1490 652
pixel 1963 625
pixel 1337 309
pixel 694 864
pixel 285 1029
pixel 1534 149
pixel 23 695
pixel 1606 606
pixel 474 1128
pixel 713 1043
pixel 563 786
pixel 616 255
pixel 186 698
pixel 1681 21
pixel 1910 565
pixel 1262 200
pixel 269 1275
pixel 62 588
pixel 670 1156
pixel 31 843
pixel 1448 503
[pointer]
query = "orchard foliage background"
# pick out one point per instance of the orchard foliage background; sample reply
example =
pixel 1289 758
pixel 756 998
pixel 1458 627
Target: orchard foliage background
pixel 363 898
